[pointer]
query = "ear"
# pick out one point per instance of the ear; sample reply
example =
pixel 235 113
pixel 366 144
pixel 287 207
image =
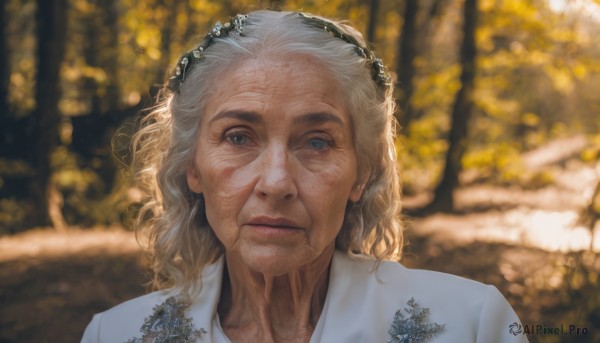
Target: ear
pixel 357 191
pixel 193 179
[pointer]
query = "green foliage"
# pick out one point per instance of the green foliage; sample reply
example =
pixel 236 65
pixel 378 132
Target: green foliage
pixel 501 164
pixel 534 75
pixel 581 294
pixel 20 32
pixel 13 210
pixel 421 156
pixel 14 168
pixel 69 176
pixel 591 154
pixel 567 286
pixel 86 201
pixel 80 210
pixel 13 213
pixel 493 158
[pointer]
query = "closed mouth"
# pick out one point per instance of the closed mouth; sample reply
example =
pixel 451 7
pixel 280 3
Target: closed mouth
pixel 276 223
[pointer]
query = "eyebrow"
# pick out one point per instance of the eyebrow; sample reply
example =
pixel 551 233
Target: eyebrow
pixel 251 117
pixel 256 118
pixel 318 118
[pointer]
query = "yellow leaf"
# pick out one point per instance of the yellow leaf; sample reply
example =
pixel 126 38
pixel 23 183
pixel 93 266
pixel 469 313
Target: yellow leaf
pixel 530 119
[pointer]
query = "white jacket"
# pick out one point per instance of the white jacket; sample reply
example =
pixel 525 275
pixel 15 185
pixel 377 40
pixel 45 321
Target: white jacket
pixel 360 307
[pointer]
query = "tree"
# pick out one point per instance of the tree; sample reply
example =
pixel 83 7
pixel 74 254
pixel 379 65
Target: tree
pixel 99 26
pixel 93 35
pixel 111 20
pixel 372 24
pixel 404 61
pixel 461 113
pixel 51 21
pixel 166 33
pixel 591 214
pixel 4 66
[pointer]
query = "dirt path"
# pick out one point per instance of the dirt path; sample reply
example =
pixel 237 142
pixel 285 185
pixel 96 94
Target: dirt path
pixel 49 296
pixel 51 284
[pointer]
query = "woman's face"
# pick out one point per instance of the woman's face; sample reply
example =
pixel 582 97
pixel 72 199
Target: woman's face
pixel 275 162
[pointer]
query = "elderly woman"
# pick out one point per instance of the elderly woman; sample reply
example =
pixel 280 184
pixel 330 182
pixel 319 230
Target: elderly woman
pixel 274 202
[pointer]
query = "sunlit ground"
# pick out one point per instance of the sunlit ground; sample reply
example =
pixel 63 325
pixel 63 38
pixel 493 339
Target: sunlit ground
pixel 587 7
pixel 548 230
pixel 546 218
pixel 49 244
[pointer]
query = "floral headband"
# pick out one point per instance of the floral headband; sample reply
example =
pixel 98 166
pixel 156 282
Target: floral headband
pixel 236 25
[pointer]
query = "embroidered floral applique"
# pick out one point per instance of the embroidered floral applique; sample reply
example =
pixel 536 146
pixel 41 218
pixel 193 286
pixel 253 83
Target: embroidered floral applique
pixel 168 324
pixel 415 328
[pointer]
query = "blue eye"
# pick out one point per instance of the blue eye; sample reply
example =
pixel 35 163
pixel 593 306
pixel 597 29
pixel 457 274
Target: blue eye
pixel 237 139
pixel 318 144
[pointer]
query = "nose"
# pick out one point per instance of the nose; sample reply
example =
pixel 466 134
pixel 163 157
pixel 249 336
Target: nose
pixel 276 181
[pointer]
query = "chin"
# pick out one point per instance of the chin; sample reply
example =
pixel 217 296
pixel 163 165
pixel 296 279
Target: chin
pixel 276 260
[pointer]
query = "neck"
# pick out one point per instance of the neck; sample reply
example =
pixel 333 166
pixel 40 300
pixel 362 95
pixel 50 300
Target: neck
pixel 268 308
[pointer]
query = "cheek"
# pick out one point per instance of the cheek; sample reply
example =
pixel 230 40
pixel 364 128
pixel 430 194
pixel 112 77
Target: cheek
pixel 222 210
pixel 224 175
pixel 226 187
pixel 327 194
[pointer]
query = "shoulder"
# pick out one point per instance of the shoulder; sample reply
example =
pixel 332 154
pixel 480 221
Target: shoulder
pixel 129 319
pixel 123 321
pixel 469 310
pixel 394 278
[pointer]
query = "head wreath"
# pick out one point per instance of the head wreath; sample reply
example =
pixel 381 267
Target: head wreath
pixel 236 26
pixel 378 71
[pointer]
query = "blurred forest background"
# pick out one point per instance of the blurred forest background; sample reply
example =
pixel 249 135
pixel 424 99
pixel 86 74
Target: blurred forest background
pixel 499 106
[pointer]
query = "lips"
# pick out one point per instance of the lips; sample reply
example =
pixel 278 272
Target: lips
pixel 276 223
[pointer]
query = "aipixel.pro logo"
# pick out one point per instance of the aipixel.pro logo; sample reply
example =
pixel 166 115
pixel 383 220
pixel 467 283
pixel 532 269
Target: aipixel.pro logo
pixel 515 328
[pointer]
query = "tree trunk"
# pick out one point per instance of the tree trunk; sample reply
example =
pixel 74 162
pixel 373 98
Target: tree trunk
pixel 372 24
pixel 590 215
pixel 404 62
pixel 4 67
pixel 431 24
pixel 91 54
pixel 427 27
pixel 166 32
pixel 111 60
pixel 190 31
pixel 51 21
pixel 101 30
pixel 461 112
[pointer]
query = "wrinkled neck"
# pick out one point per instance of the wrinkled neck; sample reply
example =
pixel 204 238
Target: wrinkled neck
pixel 273 308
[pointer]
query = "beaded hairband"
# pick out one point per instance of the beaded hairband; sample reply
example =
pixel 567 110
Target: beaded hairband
pixel 236 24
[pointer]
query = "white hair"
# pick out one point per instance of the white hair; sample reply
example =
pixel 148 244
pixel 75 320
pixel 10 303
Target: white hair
pixel 181 241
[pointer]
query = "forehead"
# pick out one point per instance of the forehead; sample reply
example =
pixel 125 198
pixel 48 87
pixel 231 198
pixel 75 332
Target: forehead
pixel 285 83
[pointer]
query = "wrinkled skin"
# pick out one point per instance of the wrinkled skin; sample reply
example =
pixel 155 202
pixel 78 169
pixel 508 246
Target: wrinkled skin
pixel 276 164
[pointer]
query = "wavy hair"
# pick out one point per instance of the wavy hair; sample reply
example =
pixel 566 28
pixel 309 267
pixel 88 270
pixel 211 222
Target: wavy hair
pixel 172 218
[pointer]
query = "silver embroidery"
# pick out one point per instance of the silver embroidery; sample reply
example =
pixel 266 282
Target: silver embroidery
pixel 168 324
pixel 187 61
pixel 415 328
